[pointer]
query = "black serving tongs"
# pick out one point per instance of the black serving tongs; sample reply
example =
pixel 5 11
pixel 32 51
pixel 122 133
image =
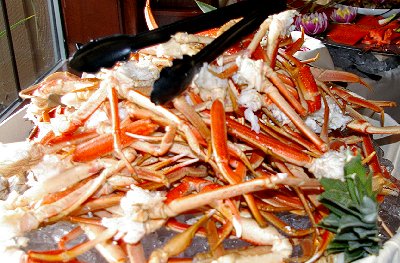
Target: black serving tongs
pixel 105 52
pixel 174 80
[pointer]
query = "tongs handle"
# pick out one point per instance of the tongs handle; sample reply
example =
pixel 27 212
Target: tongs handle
pixel 105 52
pixel 174 80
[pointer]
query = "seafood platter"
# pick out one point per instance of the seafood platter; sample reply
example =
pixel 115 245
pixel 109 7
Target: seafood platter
pixel 353 27
pixel 214 132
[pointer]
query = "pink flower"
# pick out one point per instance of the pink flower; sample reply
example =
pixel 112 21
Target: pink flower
pixel 313 23
pixel 344 14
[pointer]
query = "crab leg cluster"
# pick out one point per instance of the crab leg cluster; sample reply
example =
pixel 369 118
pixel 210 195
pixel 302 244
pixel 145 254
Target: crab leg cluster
pixel 247 141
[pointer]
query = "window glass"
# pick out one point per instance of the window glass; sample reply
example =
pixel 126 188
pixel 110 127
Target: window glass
pixel 37 45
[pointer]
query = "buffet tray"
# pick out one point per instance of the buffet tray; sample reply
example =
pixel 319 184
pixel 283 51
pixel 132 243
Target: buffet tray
pixel 16 128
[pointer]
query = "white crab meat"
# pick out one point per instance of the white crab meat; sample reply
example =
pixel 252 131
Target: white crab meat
pixel 330 165
pixel 336 118
pixel 174 49
pixel 250 72
pixel 15 222
pixel 252 101
pixel 10 250
pixel 209 86
pixel 131 226
pixel 280 116
pixel 283 23
pixel 142 72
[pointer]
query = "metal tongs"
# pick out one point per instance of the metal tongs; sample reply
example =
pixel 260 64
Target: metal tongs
pixel 105 52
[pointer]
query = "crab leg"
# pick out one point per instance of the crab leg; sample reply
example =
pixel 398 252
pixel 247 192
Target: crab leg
pixel 280 85
pixel 251 232
pixel 268 144
pixel 323 244
pixel 148 14
pixel 99 203
pixel 59 83
pixel 278 100
pixel 346 96
pixel 84 194
pixel 103 144
pixel 113 253
pixel 73 234
pixel 295 46
pixel 145 102
pixel 73 252
pixel 178 243
pixel 135 253
pixel 374 163
pixel 216 249
pixel 326 75
pixel 194 118
pixel 53 84
pixel 366 127
pixel 175 176
pixel 219 143
pixel 289 136
pixel 78 117
pixel 266 206
pixel 116 126
pixel 73 139
pixel 189 185
pixel 301 74
pixel 187 203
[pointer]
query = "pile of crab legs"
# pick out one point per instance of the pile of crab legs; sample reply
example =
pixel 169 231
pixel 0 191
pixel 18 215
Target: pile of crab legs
pixel 207 160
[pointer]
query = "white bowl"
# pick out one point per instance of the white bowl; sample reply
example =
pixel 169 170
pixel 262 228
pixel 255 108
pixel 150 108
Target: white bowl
pixel 377 11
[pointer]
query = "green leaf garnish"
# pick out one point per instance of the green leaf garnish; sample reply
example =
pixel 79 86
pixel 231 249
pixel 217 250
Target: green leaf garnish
pixel 353 212
pixel 205 7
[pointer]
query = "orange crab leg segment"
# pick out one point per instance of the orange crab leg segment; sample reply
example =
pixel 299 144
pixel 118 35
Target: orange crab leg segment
pixel 179 242
pixel 268 144
pixel 219 142
pixel 187 186
pixel 148 14
pixel 301 74
pixel 345 95
pixel 374 163
pixel 274 95
pixel 295 46
pixel 80 116
pixel 366 127
pixel 187 203
pixel 326 75
pixel 291 99
pixel 66 256
pixel 103 144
